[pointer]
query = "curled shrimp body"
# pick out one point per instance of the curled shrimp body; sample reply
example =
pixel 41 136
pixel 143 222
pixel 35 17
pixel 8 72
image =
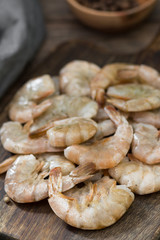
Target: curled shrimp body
pixel 64 106
pixel 107 152
pixel 81 207
pixel 141 178
pixel 148 117
pixel 146 143
pixel 24 105
pixel 26 179
pixel 71 131
pixel 107 76
pixel 116 73
pixel 134 97
pixel 23 183
pixel 75 77
pixel 142 73
pixel 15 139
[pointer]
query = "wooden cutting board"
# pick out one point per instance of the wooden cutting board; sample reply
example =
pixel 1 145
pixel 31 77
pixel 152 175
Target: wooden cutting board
pixel 37 221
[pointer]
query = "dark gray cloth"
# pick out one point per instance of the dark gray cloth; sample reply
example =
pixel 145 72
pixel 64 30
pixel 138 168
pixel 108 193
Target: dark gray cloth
pixel 21 32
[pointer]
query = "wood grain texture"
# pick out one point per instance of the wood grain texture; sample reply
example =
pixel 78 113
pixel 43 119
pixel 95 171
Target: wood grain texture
pixel 37 221
pixel 62 25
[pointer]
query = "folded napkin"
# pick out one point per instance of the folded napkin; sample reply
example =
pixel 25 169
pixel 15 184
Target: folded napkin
pixel 21 32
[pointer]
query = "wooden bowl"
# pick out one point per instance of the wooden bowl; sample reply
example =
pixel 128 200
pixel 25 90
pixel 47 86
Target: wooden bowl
pixel 112 21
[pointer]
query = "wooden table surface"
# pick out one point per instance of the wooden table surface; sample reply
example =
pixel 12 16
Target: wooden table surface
pixel 36 220
pixel 61 26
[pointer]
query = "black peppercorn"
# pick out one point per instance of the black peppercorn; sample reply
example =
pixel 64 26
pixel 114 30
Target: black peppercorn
pixel 109 5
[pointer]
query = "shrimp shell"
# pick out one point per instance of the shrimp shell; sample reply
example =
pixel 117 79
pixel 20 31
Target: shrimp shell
pixel 134 97
pixel 146 143
pixel 142 73
pixel 108 152
pixel 116 73
pixel 24 106
pixel 139 177
pixel 75 77
pixel 66 106
pixel 71 131
pixel 15 139
pixel 94 206
pixel 107 76
pixel 25 181
pixel 148 117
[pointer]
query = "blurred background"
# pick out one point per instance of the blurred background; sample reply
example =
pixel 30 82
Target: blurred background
pixel 62 25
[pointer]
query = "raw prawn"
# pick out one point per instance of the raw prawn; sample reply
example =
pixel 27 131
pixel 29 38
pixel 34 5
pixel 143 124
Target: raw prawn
pixel 24 105
pixel 15 139
pixel 75 77
pixel 146 143
pixel 142 73
pixel 117 73
pixel 71 131
pixel 141 178
pixel 106 77
pixel 26 179
pixel 149 117
pixel 134 97
pixel 94 206
pixel 107 152
pixel 64 106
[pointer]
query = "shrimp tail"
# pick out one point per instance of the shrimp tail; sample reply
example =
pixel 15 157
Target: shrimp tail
pixel 55 181
pixel 5 165
pixel 113 114
pixel 69 182
pixel 84 169
pixel 78 175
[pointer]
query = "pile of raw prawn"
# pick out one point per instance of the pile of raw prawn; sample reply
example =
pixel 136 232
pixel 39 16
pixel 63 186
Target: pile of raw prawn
pixel 90 125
